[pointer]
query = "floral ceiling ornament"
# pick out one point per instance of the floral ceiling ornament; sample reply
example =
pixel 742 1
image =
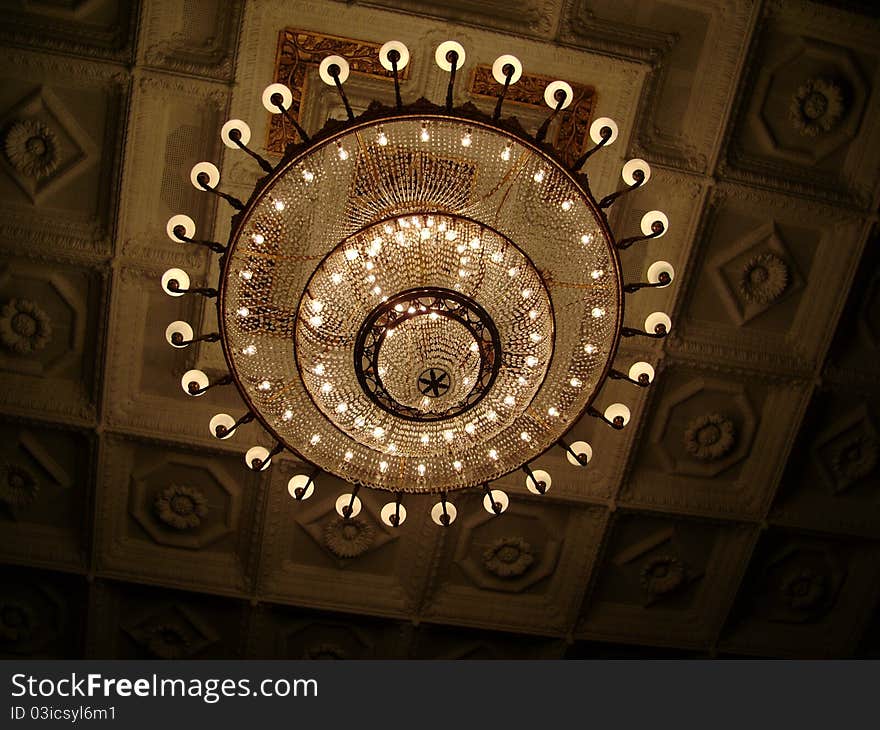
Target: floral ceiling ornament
pixel 325 651
pixel 24 327
pixel 17 621
pixel 509 557
pixel 182 508
pixel 167 641
pixel 18 486
pixel 804 589
pixel 855 459
pixel 348 538
pixel 817 107
pixel 764 278
pixel 709 437
pixel 662 574
pixel 31 148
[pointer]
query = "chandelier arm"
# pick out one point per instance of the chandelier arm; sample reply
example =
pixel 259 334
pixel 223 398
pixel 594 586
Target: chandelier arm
pixel 608 200
pixel 642 382
pixel 617 424
pixel 580 458
pixel 299 492
pixel 349 508
pixel 178 341
pixel 579 163
pixel 235 136
pixel 445 519
pixel 509 70
pixel 658 334
pixel 395 518
pixel 394 57
pixel 452 57
pixel 277 100
pixel 333 69
pixel 202 179
pixel 221 431
pixel 657 229
pixel 205 291
pixel 663 279
pixel 258 464
pixel 180 232
pixel 561 96
pixel 541 486
pixel 497 507
pixel 194 389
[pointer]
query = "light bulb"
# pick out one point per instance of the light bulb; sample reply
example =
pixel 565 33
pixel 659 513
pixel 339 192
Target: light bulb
pixel 567 204
pixel 586 238
pixel 308 175
pixel 258 237
pixel 424 135
pixel 382 139
pixel 466 139
pixel 243 311
pixel 538 176
pixel 279 205
pixel 598 312
pixel 505 153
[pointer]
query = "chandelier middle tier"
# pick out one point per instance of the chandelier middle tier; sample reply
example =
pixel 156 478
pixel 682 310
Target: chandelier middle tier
pixel 422 298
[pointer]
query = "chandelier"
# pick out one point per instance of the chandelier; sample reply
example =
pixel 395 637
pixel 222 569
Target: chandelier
pixel 419 299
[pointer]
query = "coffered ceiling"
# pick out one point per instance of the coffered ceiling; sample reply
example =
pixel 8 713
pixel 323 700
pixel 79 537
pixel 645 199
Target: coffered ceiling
pixel 738 514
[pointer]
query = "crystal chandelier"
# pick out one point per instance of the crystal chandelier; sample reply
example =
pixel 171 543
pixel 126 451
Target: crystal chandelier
pixel 419 299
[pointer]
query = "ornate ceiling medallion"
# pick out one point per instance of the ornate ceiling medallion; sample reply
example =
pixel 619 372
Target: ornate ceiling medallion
pixel 422 298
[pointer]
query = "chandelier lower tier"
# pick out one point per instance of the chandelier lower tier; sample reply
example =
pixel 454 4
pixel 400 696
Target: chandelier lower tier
pixel 421 298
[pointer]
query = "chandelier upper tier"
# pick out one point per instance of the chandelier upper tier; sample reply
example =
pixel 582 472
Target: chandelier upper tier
pixel 420 298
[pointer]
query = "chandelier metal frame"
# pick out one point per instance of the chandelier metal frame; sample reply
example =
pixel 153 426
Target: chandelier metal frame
pixel 334 71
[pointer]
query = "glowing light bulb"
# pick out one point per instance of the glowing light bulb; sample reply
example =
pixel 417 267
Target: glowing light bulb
pixel 456 465
pixel 535 337
pixel 470 428
pixel 421 470
pixel 424 135
pixel 287 415
pixel 258 238
pixel 314 439
pixel 531 361
pixel 598 312
pixel 425 233
pixel 597 273
pixel 509 400
pixel 319 368
pixel 316 320
pixel 250 350
pixel 526 293
pixel 448 435
pixel 505 153
pixel 243 311
pixel 512 271
pixel 475 243
pixel 341 151
pixel 265 385
pixel 493 454
pixel 383 466
pixel 567 204
pixel 351 254
pixel 382 139
pixel 552 411
pixel 538 176
pixel 576 382
pixel 341 407
pixel 424 438
pixel 336 277
pixel 451 235
pixel 586 238
pixel 525 436
pixel 349 455
pixel 308 175
pixel 279 205
pixel 466 139
pixel 246 274
pixel 326 387
pixel 533 314
pixel 379 432
pixel 475 347
pixel 590 349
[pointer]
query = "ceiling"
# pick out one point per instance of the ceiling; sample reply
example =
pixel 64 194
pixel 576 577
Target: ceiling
pixel 738 514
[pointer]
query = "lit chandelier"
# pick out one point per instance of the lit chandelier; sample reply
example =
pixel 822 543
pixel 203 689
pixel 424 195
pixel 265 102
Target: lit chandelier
pixel 419 299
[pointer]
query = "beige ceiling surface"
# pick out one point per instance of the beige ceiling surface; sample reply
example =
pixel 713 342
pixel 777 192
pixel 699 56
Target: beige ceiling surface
pixel 738 514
